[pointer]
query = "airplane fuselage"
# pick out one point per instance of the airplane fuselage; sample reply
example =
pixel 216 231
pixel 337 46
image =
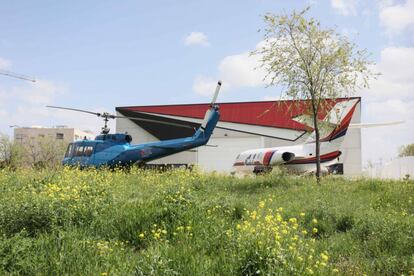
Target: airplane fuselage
pixel 299 158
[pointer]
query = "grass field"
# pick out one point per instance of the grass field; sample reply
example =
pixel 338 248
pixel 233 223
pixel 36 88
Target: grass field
pixel 71 222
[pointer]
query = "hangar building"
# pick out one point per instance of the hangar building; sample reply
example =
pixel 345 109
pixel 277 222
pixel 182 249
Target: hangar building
pixel 242 126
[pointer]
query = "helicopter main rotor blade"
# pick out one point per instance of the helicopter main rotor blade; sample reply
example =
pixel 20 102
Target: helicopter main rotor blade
pixel 74 109
pixel 154 121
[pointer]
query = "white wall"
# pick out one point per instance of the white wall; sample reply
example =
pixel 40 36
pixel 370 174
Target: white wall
pixel 351 147
pixel 221 158
pixel 395 169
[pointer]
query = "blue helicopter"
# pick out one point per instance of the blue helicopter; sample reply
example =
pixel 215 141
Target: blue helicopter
pixel 112 150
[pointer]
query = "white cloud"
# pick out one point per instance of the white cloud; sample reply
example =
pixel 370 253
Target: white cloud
pixel 196 38
pixel 345 7
pixel 236 71
pixel 241 70
pixel 26 102
pixel 25 105
pixel 4 63
pixel 396 66
pixel 390 98
pixel 383 143
pixel 204 86
pixel 41 92
pixel 398 17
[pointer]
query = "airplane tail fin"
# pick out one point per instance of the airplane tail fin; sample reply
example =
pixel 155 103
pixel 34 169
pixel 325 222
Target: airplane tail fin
pixel 336 123
pixel 210 118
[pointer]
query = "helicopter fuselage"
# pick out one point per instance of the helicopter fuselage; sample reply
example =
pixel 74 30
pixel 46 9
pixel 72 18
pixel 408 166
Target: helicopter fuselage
pixel 113 150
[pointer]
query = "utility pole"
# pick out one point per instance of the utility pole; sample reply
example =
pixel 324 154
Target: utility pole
pixel 17 76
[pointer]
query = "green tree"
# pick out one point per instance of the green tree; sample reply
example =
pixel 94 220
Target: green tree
pixel 11 154
pixel 44 152
pixel 407 150
pixel 311 63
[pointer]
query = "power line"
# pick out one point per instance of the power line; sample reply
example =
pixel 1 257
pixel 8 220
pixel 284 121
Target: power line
pixel 17 76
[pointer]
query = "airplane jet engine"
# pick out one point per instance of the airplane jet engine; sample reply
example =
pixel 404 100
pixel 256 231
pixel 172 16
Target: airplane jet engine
pixel 282 157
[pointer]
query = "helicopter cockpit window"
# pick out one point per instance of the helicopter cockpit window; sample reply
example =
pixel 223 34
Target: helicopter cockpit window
pixel 87 151
pixel 69 150
pixel 78 151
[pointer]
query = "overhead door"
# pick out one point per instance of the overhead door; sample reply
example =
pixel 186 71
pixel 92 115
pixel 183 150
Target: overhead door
pixel 221 158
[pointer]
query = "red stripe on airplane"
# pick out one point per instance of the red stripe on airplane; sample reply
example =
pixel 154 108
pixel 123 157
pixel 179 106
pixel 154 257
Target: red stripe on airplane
pixel 267 157
pixel 325 157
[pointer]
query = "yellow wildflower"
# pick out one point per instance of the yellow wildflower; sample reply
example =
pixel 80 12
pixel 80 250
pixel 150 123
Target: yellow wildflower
pixel 292 220
pixel 261 204
pixel 324 257
pixel 309 270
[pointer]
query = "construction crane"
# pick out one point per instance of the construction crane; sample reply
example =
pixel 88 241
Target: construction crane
pixel 17 76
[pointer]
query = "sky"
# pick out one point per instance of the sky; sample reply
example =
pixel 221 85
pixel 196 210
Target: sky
pixel 97 55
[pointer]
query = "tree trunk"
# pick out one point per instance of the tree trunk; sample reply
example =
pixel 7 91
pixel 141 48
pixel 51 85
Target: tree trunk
pixel 317 142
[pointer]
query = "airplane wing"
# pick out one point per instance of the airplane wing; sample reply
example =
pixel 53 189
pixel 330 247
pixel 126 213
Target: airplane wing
pixel 367 125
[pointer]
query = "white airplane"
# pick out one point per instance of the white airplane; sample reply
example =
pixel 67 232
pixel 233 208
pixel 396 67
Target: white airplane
pixel 301 158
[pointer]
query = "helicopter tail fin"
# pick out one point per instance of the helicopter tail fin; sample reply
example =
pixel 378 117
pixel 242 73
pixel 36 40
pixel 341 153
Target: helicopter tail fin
pixel 210 118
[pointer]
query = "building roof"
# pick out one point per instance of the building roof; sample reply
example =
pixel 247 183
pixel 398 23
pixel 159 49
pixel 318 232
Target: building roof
pixel 275 114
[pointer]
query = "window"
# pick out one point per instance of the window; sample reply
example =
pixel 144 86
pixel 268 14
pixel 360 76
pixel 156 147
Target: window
pixel 88 150
pixel 69 150
pixel 79 150
pixel 59 136
pixel 20 137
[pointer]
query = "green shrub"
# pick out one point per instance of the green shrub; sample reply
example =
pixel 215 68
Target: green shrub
pixel 72 222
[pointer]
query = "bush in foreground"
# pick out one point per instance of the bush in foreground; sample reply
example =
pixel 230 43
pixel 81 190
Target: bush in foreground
pixel 189 223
